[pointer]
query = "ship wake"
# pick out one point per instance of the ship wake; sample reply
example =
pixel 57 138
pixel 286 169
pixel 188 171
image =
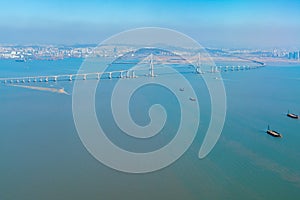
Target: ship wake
pixel 47 89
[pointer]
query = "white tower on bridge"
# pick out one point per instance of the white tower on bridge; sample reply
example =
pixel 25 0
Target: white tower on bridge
pixel 151 69
pixel 198 64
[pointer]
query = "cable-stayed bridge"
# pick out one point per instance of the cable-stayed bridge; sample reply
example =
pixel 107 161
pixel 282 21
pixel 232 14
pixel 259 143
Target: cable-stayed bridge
pixel 130 73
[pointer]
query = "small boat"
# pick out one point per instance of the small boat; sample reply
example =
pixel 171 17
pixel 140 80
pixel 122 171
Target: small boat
pixel 273 133
pixel 192 99
pixel 181 89
pixel 20 60
pixel 292 115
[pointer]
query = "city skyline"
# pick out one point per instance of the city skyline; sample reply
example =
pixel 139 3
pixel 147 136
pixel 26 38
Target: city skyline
pixel 249 24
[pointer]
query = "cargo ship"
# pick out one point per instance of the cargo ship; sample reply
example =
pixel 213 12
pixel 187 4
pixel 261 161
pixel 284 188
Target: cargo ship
pixel 292 115
pixel 273 133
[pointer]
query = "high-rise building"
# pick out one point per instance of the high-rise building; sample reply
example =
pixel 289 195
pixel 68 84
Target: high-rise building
pixel 294 55
pixel 297 55
pixel 290 55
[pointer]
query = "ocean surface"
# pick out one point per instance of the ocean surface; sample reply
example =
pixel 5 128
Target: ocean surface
pixel 42 156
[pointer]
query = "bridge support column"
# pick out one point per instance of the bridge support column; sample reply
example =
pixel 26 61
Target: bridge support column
pixel 198 70
pixel 215 69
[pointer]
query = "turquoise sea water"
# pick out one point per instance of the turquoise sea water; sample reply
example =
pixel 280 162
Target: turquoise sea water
pixel 42 156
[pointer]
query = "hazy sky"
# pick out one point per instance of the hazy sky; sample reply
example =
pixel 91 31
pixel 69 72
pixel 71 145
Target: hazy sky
pixel 213 23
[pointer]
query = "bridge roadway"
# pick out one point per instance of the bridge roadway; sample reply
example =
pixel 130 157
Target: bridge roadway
pixel 119 74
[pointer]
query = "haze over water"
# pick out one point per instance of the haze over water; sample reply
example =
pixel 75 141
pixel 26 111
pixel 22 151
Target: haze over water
pixel 42 156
